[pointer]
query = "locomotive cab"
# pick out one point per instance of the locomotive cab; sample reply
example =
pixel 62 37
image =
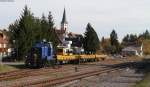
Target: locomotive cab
pixel 41 54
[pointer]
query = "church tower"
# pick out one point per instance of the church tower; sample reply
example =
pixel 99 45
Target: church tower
pixel 64 23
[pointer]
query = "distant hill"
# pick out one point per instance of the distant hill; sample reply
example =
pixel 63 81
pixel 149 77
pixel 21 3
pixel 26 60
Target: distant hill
pixel 146 47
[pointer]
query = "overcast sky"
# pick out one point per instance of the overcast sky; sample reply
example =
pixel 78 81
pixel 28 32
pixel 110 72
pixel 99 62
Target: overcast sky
pixel 125 16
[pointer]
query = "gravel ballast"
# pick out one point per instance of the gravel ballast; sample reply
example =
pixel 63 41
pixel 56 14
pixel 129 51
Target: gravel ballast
pixel 124 78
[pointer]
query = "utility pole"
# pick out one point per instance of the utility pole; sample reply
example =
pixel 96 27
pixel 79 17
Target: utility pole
pixel 15 48
pixel 1 58
pixel 1 54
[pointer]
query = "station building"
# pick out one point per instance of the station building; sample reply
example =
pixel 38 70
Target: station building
pixel 133 50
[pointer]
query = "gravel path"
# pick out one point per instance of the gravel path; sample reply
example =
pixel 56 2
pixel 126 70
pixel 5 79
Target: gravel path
pixel 125 78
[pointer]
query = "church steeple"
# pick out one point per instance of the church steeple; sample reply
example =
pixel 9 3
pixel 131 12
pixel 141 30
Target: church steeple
pixel 64 20
pixel 64 23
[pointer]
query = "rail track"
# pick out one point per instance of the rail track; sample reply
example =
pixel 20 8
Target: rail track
pixel 25 73
pixel 7 75
pixel 35 72
pixel 84 71
pixel 77 76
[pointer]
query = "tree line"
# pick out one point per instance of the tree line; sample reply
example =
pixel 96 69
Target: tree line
pixel 113 46
pixel 28 29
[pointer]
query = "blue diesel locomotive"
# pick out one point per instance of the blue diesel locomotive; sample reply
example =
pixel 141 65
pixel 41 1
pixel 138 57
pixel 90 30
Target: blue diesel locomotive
pixel 40 54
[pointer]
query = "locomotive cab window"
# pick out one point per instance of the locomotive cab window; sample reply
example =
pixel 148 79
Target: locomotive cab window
pixel 60 51
pixel 36 51
pixel 49 51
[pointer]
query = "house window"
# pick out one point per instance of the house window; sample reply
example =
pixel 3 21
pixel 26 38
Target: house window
pixel 0 45
pixel 5 45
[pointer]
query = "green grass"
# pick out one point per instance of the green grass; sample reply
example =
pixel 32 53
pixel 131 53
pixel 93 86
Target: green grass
pixel 146 47
pixel 6 68
pixel 145 82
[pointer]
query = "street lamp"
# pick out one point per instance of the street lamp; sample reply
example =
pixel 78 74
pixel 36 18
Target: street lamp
pixel 1 55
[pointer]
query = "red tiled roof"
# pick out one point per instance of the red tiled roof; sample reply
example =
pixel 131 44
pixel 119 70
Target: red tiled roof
pixel 3 38
pixel 60 31
pixel 73 35
pixel 60 34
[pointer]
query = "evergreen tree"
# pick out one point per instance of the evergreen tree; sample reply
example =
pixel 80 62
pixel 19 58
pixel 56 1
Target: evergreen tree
pixel 130 40
pixel 54 38
pixel 91 40
pixel 114 42
pixel 26 33
pixel 133 38
pixel 50 20
pixel 22 33
pixel 45 29
pixel 106 45
pixel 114 38
pixel 38 30
pixel 126 38
pixel 102 41
pixel 28 30
pixel 146 34
pixel 13 30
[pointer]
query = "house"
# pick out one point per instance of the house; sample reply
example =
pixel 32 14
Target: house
pixel 76 39
pixel 5 49
pixel 133 50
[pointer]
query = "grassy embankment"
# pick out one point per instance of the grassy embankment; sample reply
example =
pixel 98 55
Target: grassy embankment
pixel 146 47
pixel 145 82
pixel 6 68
